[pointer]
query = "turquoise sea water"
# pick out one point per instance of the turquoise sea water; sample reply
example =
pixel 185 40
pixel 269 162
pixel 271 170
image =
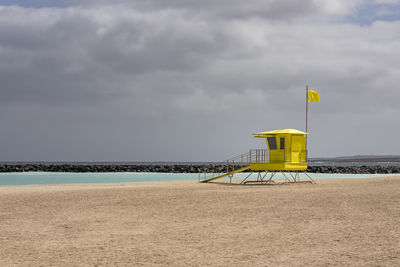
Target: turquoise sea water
pixel 37 178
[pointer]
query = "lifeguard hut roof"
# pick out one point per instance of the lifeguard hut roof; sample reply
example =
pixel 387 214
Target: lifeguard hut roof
pixel 282 131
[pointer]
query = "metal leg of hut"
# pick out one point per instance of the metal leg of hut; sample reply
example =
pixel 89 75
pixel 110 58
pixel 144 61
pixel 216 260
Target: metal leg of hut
pixel 244 180
pixel 296 178
pixel 262 179
pixel 310 178
pixel 293 176
pixel 288 178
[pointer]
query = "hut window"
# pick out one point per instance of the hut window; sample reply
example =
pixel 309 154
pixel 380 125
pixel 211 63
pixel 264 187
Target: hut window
pixel 282 143
pixel 271 142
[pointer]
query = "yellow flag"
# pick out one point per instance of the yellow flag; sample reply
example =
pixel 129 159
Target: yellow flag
pixel 313 96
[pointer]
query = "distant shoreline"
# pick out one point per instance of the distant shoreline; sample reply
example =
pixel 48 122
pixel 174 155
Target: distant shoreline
pixel 363 158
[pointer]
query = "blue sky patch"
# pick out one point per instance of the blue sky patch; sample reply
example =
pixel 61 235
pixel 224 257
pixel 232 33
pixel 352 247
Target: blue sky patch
pixel 34 3
pixel 371 12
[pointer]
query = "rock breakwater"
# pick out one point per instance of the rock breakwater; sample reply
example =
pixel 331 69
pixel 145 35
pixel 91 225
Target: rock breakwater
pixel 181 168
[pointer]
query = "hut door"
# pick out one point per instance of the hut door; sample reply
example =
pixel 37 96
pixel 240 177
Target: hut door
pixel 296 148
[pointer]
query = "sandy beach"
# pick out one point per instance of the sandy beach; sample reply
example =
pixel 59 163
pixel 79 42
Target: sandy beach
pixel 335 222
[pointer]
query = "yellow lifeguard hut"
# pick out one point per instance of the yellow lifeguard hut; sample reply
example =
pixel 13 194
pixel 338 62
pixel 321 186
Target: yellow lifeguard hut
pixel 287 150
pixel 286 154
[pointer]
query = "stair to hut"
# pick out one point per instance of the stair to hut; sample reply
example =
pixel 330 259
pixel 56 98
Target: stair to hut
pixel 232 166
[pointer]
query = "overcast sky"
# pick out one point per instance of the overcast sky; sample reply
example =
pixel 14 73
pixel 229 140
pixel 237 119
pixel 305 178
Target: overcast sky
pixel 174 80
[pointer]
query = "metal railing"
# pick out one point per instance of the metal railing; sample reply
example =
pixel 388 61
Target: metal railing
pixel 235 163
pixel 253 156
pixel 260 156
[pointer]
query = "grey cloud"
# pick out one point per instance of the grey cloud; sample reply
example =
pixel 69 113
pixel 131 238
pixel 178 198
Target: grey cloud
pixel 117 83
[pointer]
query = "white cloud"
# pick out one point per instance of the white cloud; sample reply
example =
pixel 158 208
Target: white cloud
pixel 338 7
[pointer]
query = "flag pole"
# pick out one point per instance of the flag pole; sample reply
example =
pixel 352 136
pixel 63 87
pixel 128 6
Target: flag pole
pixel 306 108
pixel 306 118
